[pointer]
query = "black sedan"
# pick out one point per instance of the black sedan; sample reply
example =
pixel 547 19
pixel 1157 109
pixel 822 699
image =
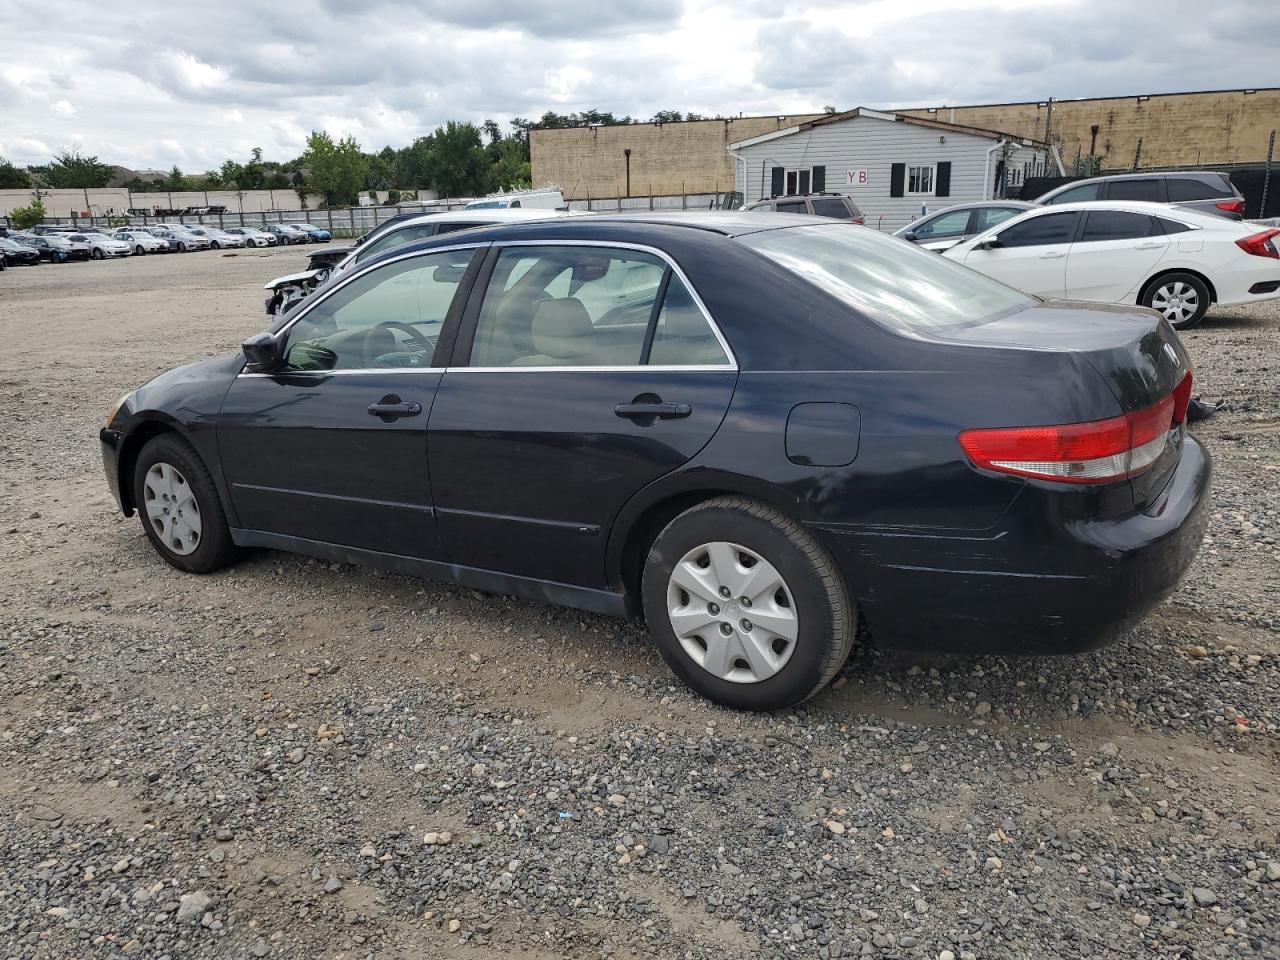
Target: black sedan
pixel 13 253
pixel 754 433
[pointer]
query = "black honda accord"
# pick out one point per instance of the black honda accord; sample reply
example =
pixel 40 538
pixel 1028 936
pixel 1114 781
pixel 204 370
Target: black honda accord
pixel 753 433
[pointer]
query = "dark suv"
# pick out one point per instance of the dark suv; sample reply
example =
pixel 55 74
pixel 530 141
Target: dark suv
pixel 1194 189
pixel 834 205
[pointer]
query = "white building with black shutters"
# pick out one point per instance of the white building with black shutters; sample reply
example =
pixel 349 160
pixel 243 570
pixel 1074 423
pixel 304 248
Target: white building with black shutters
pixel 892 166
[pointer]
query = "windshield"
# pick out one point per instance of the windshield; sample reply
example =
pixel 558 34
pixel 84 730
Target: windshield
pixel 890 280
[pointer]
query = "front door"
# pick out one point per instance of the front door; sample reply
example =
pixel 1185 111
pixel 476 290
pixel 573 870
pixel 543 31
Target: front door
pixel 1115 252
pixel 592 371
pixel 333 447
pixel 1031 255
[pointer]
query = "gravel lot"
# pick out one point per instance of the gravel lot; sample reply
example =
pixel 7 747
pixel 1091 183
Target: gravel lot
pixel 301 759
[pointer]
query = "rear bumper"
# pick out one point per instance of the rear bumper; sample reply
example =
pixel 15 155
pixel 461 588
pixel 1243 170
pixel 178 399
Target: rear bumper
pixel 1036 584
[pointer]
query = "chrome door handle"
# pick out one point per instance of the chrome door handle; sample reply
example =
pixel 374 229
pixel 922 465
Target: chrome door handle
pixel 1052 255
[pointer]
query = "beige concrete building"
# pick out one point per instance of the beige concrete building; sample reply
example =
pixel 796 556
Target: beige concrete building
pixel 1228 126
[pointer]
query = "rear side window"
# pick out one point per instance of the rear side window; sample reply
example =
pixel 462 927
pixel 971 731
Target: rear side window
pixel 992 216
pixel 793 207
pixel 831 207
pixel 1171 226
pixel 1038 231
pixel 1101 225
pixel 1086 191
pixel 1185 189
pixel 1137 190
pixel 898 284
pixel 451 227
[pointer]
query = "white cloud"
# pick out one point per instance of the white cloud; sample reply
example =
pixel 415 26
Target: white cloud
pixel 153 90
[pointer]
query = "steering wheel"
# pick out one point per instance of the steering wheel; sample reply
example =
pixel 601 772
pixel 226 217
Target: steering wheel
pixel 414 335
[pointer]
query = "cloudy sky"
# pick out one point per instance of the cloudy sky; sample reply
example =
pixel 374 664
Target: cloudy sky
pixel 152 84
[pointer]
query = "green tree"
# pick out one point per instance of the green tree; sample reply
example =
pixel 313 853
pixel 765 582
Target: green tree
pixel 510 170
pixel 24 218
pixel 412 164
pixel 457 165
pixel 72 170
pixel 336 170
pixel 13 177
pixel 175 181
pixel 492 131
pixel 667 116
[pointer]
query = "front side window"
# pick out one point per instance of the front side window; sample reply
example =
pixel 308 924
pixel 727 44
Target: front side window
pixel 1040 231
pixel 588 307
pixel 395 238
pixel 920 180
pixel 951 224
pixel 1101 225
pixel 898 284
pixel 388 318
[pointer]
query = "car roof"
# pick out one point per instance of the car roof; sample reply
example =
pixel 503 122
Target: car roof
pixel 1168 211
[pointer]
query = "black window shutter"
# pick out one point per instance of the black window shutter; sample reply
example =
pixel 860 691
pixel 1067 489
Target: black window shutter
pixel 897 179
pixel 819 179
pixel 778 188
pixel 942 182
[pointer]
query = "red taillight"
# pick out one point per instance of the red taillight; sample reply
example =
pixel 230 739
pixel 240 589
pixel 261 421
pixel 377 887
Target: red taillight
pixel 1181 399
pixel 860 221
pixel 1231 206
pixel 1101 451
pixel 1260 244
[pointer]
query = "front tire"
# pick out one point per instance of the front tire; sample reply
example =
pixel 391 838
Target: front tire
pixel 1183 299
pixel 182 247
pixel 179 506
pixel 138 251
pixel 98 255
pixel 745 606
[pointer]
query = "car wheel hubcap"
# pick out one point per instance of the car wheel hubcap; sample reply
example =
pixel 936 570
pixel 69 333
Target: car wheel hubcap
pixel 1178 301
pixel 732 612
pixel 171 508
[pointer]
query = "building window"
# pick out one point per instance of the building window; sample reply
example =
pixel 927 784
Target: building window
pixel 798 182
pixel 920 180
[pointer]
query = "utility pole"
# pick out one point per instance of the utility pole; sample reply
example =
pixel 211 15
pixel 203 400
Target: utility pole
pixel 1048 119
pixel 1137 155
pixel 1266 177
pixel 627 154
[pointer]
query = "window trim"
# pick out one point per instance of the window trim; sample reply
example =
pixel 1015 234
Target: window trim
pixel 786 171
pixel 933 180
pixel 672 266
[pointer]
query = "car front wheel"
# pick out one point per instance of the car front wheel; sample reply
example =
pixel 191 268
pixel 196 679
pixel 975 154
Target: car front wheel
pixel 745 606
pixel 179 506
pixel 1183 299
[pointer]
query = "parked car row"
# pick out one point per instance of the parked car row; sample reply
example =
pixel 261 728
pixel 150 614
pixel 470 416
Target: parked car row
pixel 58 244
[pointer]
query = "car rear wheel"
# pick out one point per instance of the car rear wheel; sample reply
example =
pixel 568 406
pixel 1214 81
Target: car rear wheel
pixel 138 251
pixel 1183 299
pixel 745 606
pixel 179 506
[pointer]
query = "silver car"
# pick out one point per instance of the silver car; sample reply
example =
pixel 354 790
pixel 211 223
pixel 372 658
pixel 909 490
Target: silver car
pixel 943 229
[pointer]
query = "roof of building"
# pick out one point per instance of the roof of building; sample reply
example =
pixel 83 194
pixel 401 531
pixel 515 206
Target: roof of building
pixel 881 115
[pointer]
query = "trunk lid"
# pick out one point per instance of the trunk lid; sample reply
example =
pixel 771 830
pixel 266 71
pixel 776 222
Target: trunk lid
pixel 1133 349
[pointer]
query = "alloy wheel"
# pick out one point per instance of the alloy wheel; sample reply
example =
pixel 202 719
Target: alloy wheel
pixel 1177 300
pixel 171 508
pixel 732 612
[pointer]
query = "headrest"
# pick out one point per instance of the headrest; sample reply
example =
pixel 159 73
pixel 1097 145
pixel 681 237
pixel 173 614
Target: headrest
pixel 562 328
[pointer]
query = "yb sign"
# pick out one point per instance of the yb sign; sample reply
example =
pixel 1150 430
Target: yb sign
pixel 857 178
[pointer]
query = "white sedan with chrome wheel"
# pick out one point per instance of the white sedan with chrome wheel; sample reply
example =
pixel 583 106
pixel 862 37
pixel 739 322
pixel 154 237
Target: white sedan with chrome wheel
pixel 1176 261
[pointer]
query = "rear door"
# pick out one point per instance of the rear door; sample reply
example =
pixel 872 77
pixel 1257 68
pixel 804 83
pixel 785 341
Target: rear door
pixel 1114 253
pixel 1031 255
pixel 582 373
pixel 1139 188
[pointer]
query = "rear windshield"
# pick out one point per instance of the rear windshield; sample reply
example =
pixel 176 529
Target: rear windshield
pixel 888 279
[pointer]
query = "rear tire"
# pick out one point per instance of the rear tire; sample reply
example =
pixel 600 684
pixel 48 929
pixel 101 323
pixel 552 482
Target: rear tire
pixel 138 251
pixel 1183 298
pixel 179 506
pixel 783 630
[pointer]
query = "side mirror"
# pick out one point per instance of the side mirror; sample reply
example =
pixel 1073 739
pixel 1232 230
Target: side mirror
pixel 989 244
pixel 262 353
pixel 910 235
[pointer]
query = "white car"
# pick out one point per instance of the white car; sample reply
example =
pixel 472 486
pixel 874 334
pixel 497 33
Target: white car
pixel 141 241
pixel 1174 260
pixel 219 238
pixel 101 246
pixel 288 290
pixel 253 237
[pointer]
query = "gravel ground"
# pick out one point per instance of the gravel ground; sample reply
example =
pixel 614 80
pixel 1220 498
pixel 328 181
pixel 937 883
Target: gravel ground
pixel 301 759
